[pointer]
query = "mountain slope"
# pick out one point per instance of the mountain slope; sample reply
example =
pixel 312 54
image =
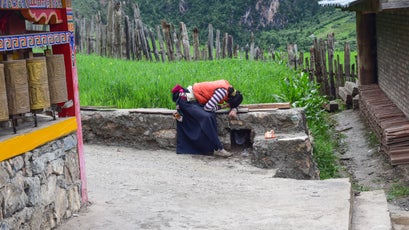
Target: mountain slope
pixel 276 22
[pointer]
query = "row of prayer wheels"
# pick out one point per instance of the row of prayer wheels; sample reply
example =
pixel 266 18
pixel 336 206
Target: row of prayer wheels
pixel 32 84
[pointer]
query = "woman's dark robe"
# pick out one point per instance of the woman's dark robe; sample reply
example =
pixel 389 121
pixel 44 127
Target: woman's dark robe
pixel 197 133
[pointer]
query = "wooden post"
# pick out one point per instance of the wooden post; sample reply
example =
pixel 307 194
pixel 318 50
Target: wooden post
pixel 247 50
pixel 230 46
pixel 178 43
pixel 333 88
pixel 340 69
pixel 318 66
pixel 116 46
pixel 142 39
pixel 312 63
pixel 347 62
pixel 125 39
pixel 185 41
pixel 366 37
pixel 224 46
pixel 210 42
pixel 161 45
pixel 325 81
pixel 98 34
pixel 251 46
pixel 154 48
pixel 218 46
pixel 87 46
pixel 196 55
pixel 110 26
pixel 168 40
pixel 146 33
pixel 104 42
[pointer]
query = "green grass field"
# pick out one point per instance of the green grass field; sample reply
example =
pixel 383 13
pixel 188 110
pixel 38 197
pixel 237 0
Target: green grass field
pixel 141 84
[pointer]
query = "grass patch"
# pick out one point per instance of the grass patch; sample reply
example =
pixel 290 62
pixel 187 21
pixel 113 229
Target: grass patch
pixel 397 191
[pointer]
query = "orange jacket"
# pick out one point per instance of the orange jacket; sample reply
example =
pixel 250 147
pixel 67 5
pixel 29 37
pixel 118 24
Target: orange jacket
pixel 203 91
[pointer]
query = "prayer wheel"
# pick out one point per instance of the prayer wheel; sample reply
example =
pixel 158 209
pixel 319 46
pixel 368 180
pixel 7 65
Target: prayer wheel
pixel 38 83
pixel 4 110
pixel 56 78
pixel 15 72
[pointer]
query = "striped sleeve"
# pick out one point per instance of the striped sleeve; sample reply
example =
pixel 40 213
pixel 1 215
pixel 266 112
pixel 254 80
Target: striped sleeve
pixel 211 105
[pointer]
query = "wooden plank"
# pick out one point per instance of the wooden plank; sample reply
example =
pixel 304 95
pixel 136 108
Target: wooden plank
pixel 285 105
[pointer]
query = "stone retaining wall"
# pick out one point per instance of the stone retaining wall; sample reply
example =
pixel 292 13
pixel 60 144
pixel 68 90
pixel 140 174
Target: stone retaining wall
pixel 42 187
pixel 156 129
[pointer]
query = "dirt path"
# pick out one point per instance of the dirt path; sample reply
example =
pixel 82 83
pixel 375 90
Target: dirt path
pixel 368 168
pixel 139 189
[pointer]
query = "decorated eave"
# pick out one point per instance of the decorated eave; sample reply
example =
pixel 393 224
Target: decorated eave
pixel 337 3
pixel 366 5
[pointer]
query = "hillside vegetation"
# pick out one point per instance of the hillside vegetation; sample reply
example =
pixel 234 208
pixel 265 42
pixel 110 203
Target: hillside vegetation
pixel 275 23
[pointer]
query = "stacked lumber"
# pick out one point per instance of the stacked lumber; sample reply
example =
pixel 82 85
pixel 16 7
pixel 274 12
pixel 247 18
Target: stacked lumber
pixel 388 122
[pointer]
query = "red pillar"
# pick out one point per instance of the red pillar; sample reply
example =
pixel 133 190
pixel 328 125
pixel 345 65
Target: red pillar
pixel 68 50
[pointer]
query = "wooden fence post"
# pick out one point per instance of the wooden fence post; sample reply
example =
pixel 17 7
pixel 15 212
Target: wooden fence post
pixel 210 42
pixel 251 47
pixel 185 41
pixel 168 40
pixel 196 55
pixel 230 46
pixel 161 45
pixel 117 17
pixel 218 46
pixel 333 88
pixel 347 62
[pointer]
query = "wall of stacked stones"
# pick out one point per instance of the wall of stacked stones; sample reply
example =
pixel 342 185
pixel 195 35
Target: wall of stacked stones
pixel 157 129
pixel 42 187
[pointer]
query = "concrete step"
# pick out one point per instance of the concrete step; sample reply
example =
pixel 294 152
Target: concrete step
pixel 370 211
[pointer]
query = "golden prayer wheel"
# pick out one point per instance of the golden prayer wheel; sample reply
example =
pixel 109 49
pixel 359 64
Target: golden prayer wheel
pixel 56 78
pixel 15 72
pixel 4 110
pixel 38 83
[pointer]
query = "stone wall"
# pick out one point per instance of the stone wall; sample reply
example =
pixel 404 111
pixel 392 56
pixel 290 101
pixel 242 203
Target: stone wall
pixel 392 32
pixel 156 129
pixel 42 187
pixel 290 153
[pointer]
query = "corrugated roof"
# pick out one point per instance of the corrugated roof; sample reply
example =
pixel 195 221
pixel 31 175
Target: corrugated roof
pixel 340 3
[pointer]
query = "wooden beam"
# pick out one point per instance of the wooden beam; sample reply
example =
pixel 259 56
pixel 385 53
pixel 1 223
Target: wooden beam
pixel 366 38
pixel 284 105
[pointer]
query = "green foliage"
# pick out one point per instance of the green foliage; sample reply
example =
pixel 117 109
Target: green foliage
pixel 302 92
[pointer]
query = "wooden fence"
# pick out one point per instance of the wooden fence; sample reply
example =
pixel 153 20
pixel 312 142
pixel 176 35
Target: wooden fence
pixel 126 38
pixel 324 67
